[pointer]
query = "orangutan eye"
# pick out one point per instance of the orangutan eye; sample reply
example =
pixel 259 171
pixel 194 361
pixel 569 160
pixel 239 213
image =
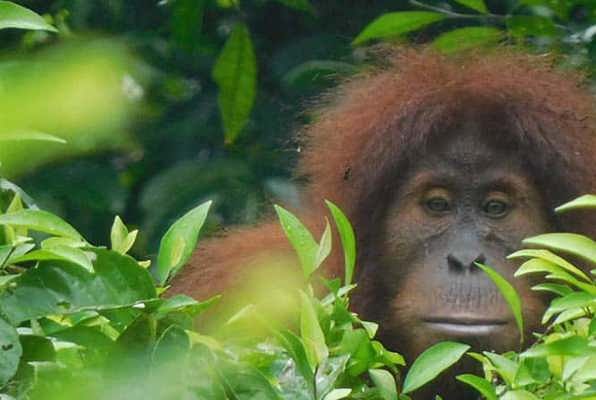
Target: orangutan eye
pixel 438 205
pixel 495 208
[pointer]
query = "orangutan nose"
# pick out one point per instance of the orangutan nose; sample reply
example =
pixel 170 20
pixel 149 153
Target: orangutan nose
pixel 464 261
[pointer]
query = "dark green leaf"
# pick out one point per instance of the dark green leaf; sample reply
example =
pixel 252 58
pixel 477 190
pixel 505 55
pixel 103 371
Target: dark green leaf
pixel 530 25
pixel 301 5
pixel 483 386
pixel 66 253
pixel 179 242
pixel 10 351
pixel 431 363
pixel 235 73
pixel 396 24
pixel 55 287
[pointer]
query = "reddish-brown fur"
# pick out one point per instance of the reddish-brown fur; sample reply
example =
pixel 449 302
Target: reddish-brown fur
pixel 370 124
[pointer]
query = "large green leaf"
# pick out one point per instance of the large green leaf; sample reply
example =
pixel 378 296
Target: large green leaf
pixel 66 253
pixel 235 73
pixel 587 201
pixel 467 38
pixel 10 351
pixel 348 240
pixel 432 362
pixel 572 243
pixel 56 287
pixel 14 16
pixel 179 242
pixel 483 386
pixel 510 295
pixel 41 221
pixel 397 23
pixel 572 346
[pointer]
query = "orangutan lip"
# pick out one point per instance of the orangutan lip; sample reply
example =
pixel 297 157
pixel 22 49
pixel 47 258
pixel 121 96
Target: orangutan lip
pixel 465 326
pixel 465 321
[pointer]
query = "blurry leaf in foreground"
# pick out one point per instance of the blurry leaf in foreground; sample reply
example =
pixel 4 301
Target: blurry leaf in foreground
pixel 75 91
pixel 31 135
pixel 432 362
pixel 179 242
pixel 15 16
pixel 235 73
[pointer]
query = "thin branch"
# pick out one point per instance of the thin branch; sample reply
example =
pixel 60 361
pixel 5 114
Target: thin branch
pixel 453 14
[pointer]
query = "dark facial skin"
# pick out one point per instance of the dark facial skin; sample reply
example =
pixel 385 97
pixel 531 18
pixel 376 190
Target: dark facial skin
pixel 466 200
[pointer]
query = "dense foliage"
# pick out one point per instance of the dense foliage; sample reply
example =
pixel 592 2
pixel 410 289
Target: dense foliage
pixel 209 89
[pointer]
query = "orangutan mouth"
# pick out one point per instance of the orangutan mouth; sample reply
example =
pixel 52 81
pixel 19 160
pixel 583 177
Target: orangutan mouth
pixel 465 325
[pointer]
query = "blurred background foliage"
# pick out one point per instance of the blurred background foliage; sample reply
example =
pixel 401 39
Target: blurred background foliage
pixel 165 104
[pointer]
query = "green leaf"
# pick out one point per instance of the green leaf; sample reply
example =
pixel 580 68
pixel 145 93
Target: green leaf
pixel 572 243
pixel 575 346
pixel 56 287
pixel 235 73
pixel 348 240
pixel 304 244
pixel 587 201
pixel 467 38
pixel 397 23
pixel 31 135
pixel 179 242
pixel 559 290
pixel 311 332
pixel 324 247
pixel 120 238
pixel 505 367
pixel 384 382
pixel 41 221
pixel 431 363
pixel 483 386
pixel 477 5
pixel 14 16
pixel 519 395
pixel 185 304
pixel 10 351
pixel 66 253
pixel 510 295
pixel 337 394
pixel 535 265
pixel 551 257
pixel 530 25
pixel 300 5
pixel 572 300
